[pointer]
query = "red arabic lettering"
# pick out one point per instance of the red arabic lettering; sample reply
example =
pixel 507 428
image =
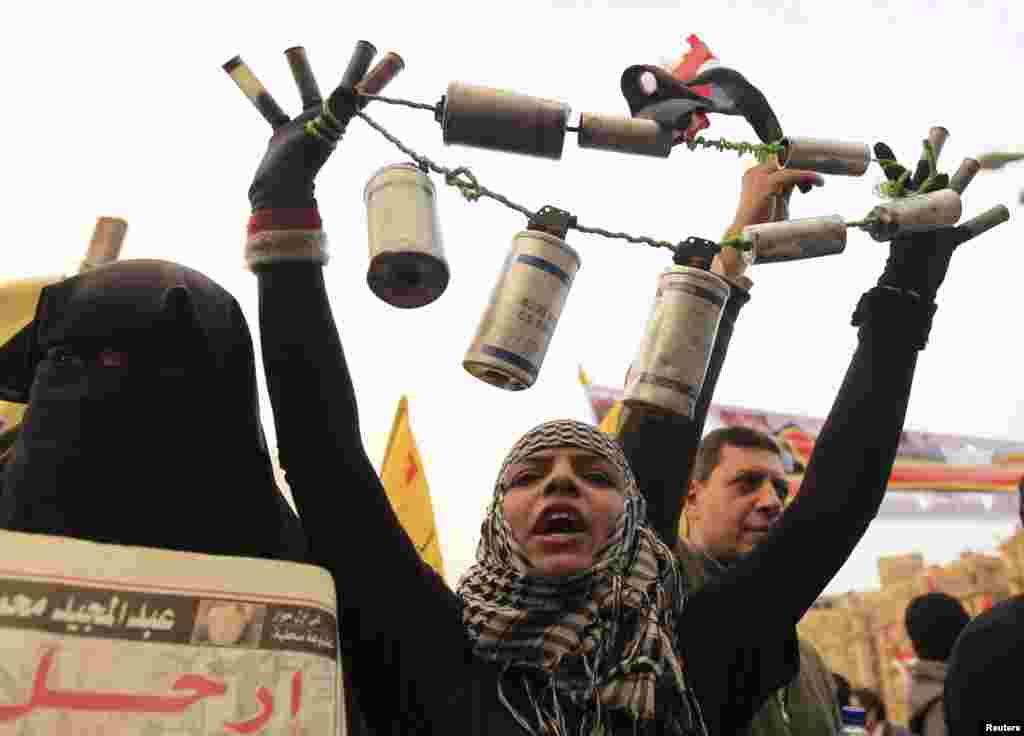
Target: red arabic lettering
pixel 44 697
pixel 255 724
pixel 296 693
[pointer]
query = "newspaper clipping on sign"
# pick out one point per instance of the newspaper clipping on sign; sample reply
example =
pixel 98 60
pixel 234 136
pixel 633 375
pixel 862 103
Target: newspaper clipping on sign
pixel 100 639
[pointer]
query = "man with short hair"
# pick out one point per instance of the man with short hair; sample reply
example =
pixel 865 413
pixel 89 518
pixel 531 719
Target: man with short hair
pixel 933 622
pixel 736 494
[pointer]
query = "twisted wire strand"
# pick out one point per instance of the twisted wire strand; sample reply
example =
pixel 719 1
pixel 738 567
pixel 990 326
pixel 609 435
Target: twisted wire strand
pixel 472 190
pixel 399 101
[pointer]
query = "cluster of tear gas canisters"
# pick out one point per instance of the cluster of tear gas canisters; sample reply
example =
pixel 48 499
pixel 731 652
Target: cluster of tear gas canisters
pixel 408 268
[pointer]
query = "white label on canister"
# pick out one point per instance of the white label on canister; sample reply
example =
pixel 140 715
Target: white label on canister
pixel 673 360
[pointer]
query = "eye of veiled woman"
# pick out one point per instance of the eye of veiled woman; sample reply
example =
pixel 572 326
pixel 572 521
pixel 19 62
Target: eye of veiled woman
pixel 521 479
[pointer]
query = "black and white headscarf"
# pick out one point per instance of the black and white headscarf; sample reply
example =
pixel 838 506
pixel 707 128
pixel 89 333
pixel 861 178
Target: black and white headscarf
pixel 602 642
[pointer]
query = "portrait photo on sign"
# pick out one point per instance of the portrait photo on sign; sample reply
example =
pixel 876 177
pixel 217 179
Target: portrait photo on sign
pixel 223 623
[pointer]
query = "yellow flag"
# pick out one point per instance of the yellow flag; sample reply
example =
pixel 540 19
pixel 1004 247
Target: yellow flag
pixel 406 485
pixel 610 423
pixel 18 300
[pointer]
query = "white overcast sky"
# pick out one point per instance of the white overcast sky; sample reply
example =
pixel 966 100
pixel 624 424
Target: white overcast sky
pixel 123 109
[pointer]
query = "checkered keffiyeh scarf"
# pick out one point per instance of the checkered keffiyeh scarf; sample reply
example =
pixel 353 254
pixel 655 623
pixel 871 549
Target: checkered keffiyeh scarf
pixel 604 639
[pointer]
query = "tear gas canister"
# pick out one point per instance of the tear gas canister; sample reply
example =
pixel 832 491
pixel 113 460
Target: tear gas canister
pixel 516 328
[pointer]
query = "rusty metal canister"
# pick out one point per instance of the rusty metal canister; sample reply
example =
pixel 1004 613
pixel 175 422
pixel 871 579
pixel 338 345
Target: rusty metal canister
pixel 515 331
pixel 914 213
pixel 792 240
pixel 626 135
pixel 669 370
pixel 407 264
pixel 106 242
pixel 497 119
pixel 825 156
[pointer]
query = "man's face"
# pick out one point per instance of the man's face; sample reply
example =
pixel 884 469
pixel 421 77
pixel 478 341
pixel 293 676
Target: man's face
pixel 733 510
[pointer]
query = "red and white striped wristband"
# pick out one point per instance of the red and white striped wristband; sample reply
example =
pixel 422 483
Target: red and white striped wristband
pixel 287 234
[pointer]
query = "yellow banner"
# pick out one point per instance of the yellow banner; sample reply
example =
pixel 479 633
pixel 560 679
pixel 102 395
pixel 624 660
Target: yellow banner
pixel 406 484
pixel 18 301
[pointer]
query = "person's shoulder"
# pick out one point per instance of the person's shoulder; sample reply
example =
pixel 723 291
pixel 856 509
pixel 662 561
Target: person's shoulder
pixel 1005 620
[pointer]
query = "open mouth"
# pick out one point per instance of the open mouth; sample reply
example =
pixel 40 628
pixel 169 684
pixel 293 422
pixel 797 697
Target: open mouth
pixel 560 521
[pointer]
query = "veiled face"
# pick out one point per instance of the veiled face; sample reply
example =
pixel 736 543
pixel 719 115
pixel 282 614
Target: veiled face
pixel 562 505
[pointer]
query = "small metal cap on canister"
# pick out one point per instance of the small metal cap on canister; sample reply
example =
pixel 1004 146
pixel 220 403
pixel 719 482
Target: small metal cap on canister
pixel 381 74
pixel 516 328
pixel 625 135
pixel 105 245
pixel 914 213
pixel 825 156
pixel 407 264
pixel 937 136
pixel 303 75
pixel 669 370
pixel 793 240
pixel 986 220
pixel 969 167
pixel 500 120
pixel 253 89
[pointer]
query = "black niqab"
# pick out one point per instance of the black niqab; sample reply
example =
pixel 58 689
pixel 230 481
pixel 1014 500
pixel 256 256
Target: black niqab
pixel 143 421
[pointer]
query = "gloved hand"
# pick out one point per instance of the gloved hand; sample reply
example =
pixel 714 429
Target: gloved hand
pixel 285 224
pixel 300 147
pixel 918 262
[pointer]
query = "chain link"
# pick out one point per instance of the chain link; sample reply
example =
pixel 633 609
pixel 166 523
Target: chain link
pixel 472 190
pixel 625 236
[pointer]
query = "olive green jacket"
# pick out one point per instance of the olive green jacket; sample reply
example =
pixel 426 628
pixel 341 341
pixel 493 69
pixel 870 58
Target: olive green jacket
pixel 808 705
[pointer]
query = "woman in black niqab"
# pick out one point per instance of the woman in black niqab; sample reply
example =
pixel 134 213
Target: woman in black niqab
pixel 143 422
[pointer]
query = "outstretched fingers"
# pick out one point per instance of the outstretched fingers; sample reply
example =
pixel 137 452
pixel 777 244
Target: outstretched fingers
pixel 309 90
pixel 890 167
pixel 342 102
pixel 253 88
pixel 982 223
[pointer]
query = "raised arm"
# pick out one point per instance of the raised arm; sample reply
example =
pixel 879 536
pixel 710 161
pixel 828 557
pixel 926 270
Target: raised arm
pixel 352 530
pixel 661 448
pixel 853 456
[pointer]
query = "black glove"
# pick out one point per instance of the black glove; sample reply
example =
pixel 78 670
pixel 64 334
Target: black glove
pixel 901 183
pixel 732 94
pixel 918 262
pixel 300 147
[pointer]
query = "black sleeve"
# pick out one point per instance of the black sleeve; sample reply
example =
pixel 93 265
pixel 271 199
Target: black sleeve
pixel 388 597
pixel 758 601
pixel 662 448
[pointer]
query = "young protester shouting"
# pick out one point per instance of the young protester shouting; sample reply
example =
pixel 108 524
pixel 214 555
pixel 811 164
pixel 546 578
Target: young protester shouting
pixel 576 618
